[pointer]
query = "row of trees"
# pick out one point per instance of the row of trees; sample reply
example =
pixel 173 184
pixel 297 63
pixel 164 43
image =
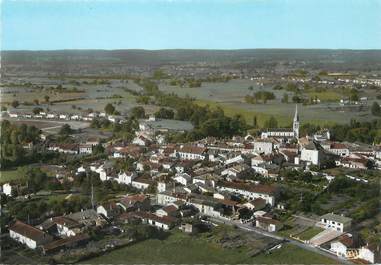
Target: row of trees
pixel 258 96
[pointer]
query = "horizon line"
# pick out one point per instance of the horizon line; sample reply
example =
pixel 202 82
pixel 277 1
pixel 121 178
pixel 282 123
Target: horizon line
pixel 189 49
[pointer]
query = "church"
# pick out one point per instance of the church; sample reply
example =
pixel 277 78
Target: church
pixel 285 133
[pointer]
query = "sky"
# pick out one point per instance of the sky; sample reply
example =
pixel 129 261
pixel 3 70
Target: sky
pixel 190 24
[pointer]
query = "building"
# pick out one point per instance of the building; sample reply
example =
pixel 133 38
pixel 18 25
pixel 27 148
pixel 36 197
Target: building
pixel 341 246
pixel 188 152
pixel 126 177
pixel 311 154
pixel 7 189
pixel 263 147
pixel 285 132
pixel 371 254
pixel 85 149
pixel 335 222
pixel 268 224
pixel 250 191
pixel 28 235
pixel 135 202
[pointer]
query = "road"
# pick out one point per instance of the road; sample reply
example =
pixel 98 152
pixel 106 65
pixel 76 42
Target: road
pixel 249 227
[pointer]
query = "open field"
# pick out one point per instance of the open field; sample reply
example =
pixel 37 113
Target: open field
pixel 309 233
pixel 9 175
pixel 229 96
pixel 183 249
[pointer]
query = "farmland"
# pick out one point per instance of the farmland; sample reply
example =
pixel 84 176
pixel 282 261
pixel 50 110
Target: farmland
pixel 183 249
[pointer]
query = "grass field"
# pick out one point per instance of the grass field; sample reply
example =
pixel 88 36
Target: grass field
pixel 183 249
pixel 309 233
pixel 283 120
pixel 9 175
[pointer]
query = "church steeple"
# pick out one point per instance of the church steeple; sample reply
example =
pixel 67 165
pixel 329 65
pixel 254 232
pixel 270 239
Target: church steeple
pixel 295 125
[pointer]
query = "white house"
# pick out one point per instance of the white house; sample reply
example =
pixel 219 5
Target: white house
pixel 310 154
pixel 335 222
pixel 28 235
pixel 250 191
pixel 140 183
pixel 85 149
pixel 265 147
pixel 7 189
pixel 126 177
pixel 182 178
pixel 188 152
pixel 342 245
pixel 370 254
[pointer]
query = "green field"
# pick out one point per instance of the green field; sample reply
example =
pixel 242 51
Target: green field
pixel 9 175
pixel 309 233
pixel 180 248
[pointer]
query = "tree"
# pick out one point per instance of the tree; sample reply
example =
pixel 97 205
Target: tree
pixel 65 130
pixel 15 104
pixel 37 110
pixel 138 112
pixel 271 123
pixel 46 97
pixel 376 109
pixel 109 109
pixel 36 102
pixel 165 113
pixel 98 149
pixel 255 122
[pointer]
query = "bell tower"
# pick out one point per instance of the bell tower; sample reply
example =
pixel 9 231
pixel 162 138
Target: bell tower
pixel 295 125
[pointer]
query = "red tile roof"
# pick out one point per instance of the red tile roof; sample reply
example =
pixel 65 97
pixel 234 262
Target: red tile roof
pixel 28 231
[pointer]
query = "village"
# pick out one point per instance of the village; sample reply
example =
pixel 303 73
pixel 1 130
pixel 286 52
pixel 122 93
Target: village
pixel 242 181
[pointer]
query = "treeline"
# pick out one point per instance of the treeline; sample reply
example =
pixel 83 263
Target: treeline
pixel 193 82
pixel 366 132
pixel 260 96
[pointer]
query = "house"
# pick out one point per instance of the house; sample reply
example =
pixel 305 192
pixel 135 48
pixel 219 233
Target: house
pixel 237 171
pixel 164 222
pixel 85 149
pixel 110 210
pixel 351 162
pixel 65 243
pixel 141 141
pixel 335 222
pixel 256 204
pixel 189 152
pixel 141 183
pixel 250 191
pixel 61 226
pixel 261 159
pixel 341 245
pixel 311 154
pixel 263 147
pixel 169 210
pixel 28 235
pixel 336 148
pixel 164 185
pixel 135 202
pixel 370 253
pixel 268 224
pixel 7 189
pixel 188 228
pixel 126 177
pixel 167 197
pixel 182 178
